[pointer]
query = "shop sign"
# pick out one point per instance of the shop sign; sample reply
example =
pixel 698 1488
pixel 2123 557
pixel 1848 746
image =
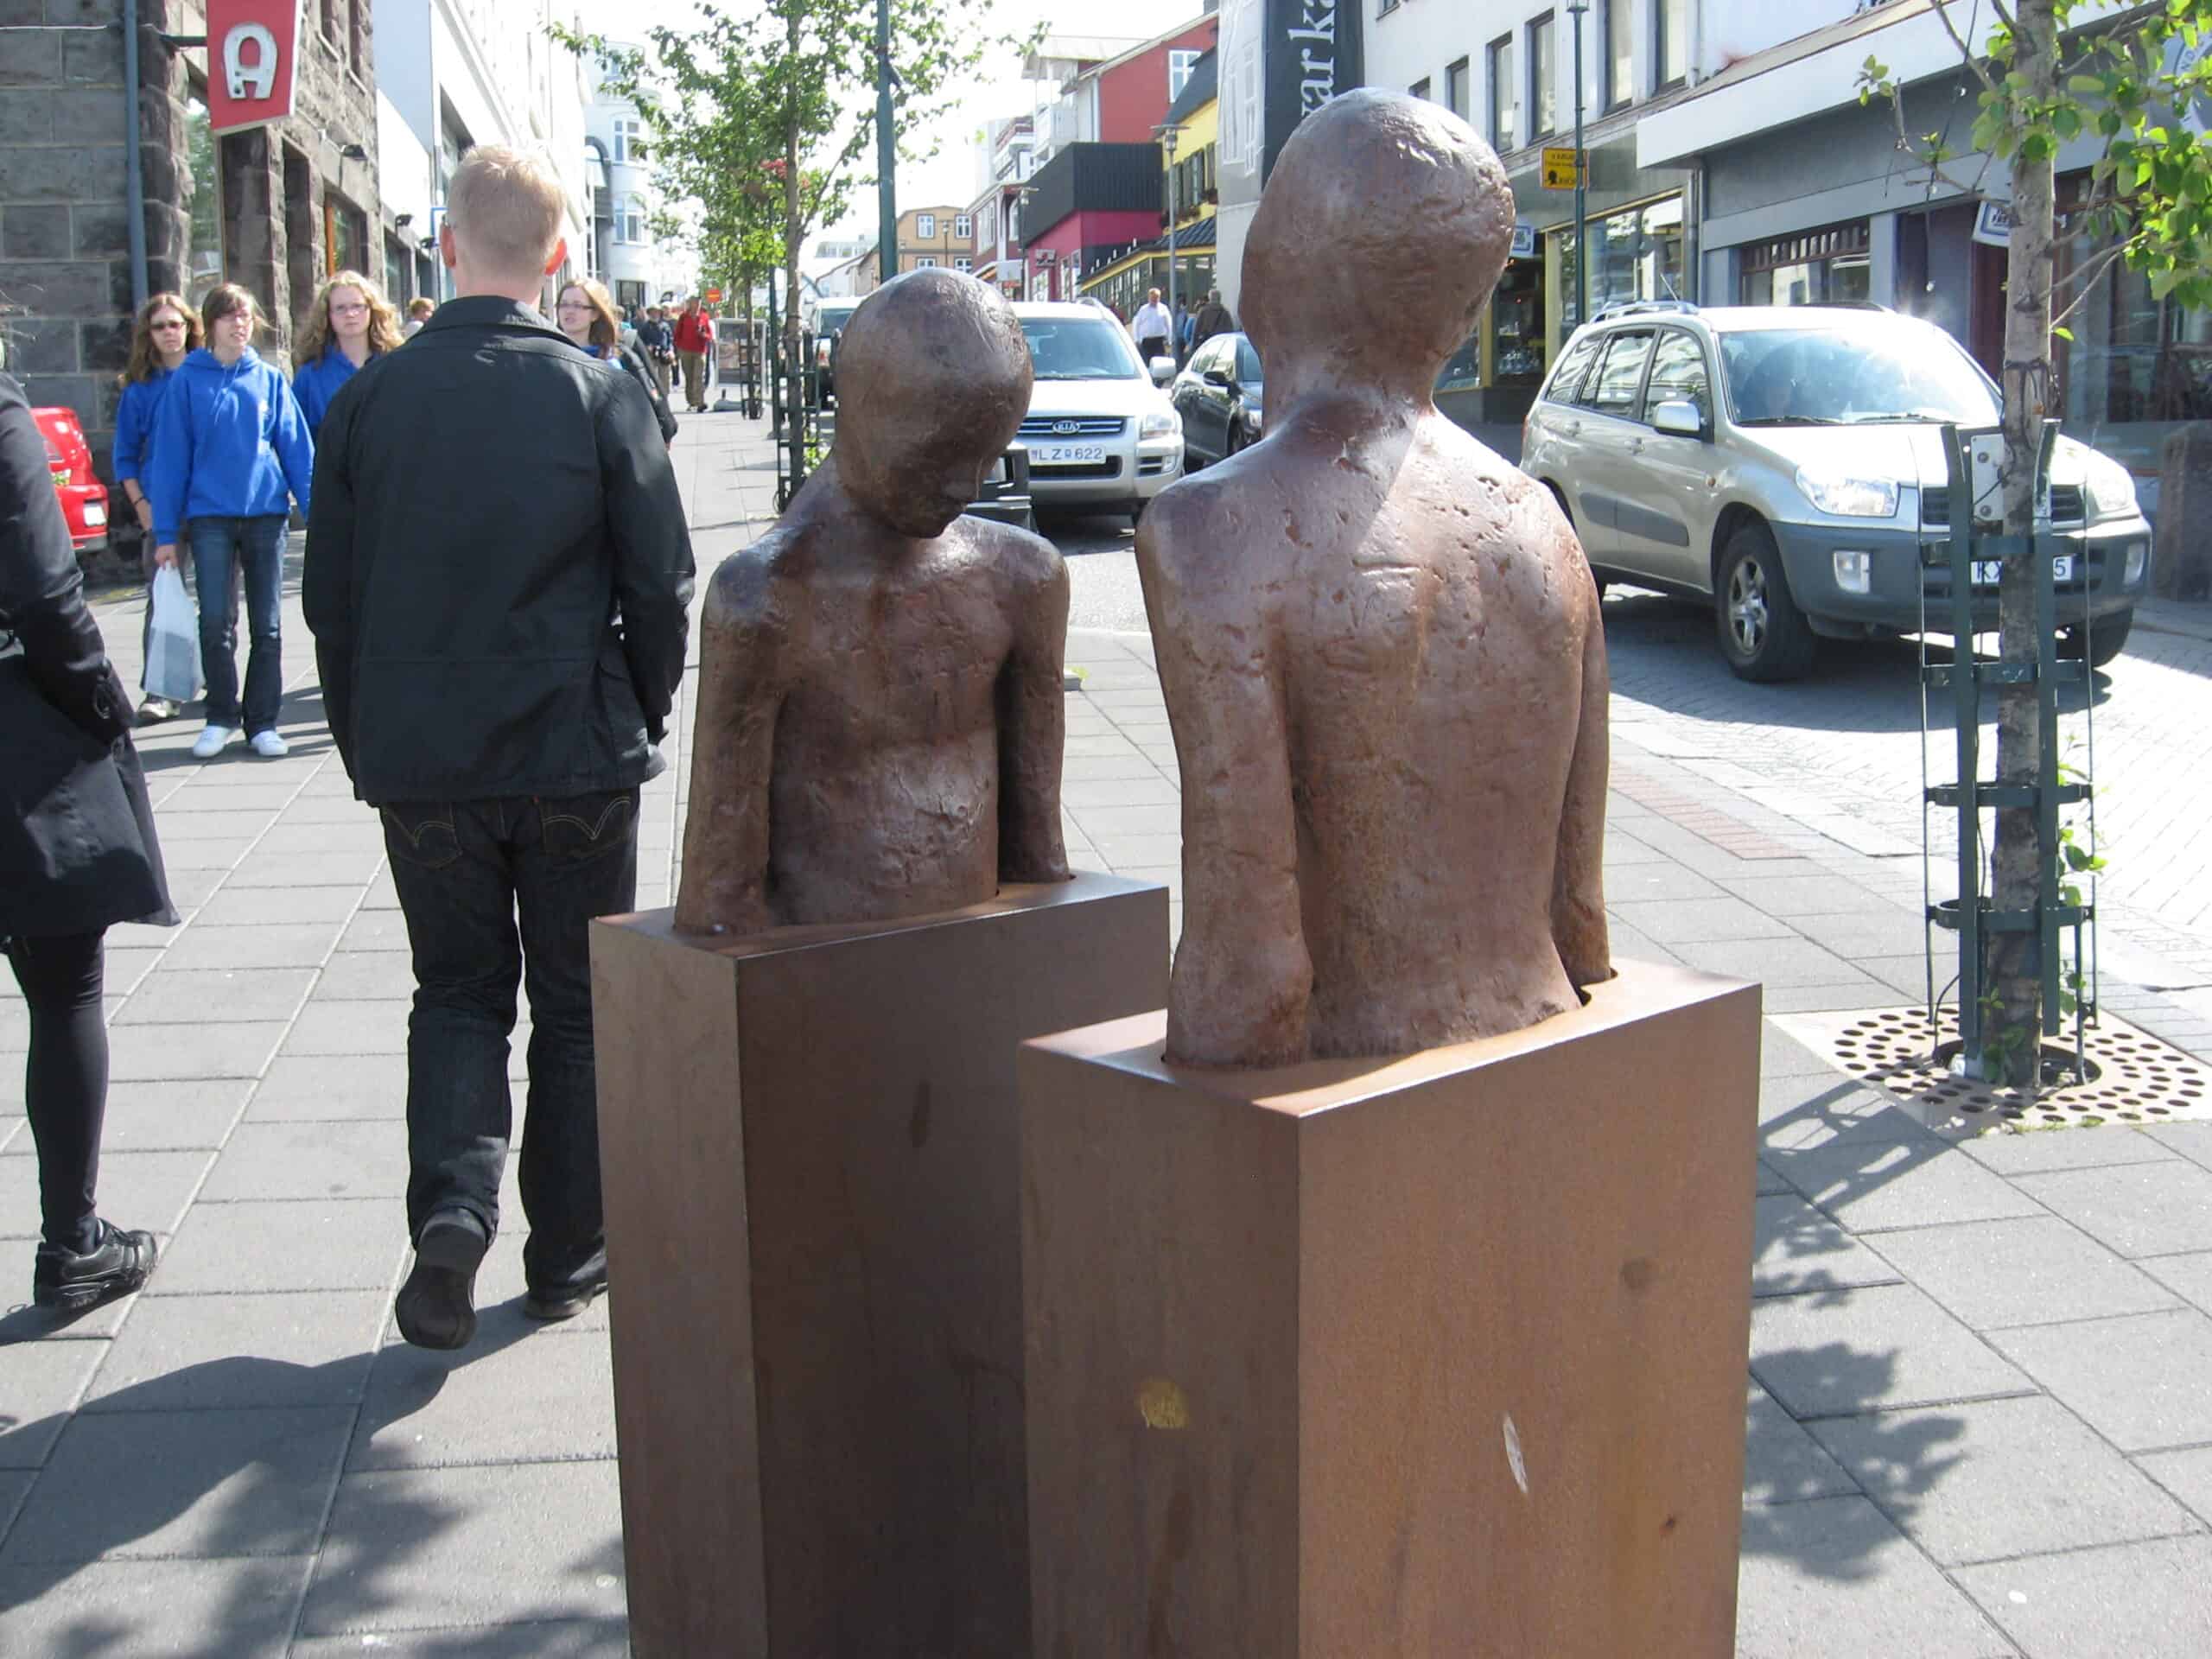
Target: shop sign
pixel 1559 167
pixel 1311 53
pixel 251 54
pixel 1524 240
pixel 1992 226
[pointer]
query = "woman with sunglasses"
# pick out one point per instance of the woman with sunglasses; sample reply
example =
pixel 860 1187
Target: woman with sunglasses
pixel 167 332
pixel 352 322
pixel 585 312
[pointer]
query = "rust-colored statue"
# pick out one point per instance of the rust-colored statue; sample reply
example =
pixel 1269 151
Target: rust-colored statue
pixel 1380 643
pixel 879 720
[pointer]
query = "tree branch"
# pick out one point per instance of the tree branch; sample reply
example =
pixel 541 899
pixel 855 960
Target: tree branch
pixel 1942 10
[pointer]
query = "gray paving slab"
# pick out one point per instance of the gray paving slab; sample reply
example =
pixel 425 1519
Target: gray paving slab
pixel 303 1244
pixel 408 1548
pixel 1994 1478
pixel 1856 991
pixel 15 1487
pixel 1154 791
pixel 1869 1183
pixel 1656 883
pixel 500 1281
pixel 259 906
pixel 2189 1141
pixel 332 868
pixel 1832 1577
pixel 360 833
pixel 565 1639
pixel 374 930
pixel 221 795
pixel 2030 1270
pixel 158 1486
pixel 210 1353
pixel 356 1026
pixel 126 968
pixel 242 1610
pixel 1782 1463
pixel 187 996
pixel 2187 1474
pixel 2146 1601
pixel 520 1393
pixel 321 1087
pixel 1774 962
pixel 166 1116
pixel 1799 1251
pixel 322 808
pixel 354 1159
pixel 147 1190
pixel 2137 1209
pixel 261 945
pixel 1880 1348
pixel 2188 1276
pixel 242 827
pixel 2032 1152
pixel 1676 922
pixel 359 975
pixel 45 1380
pixel 206 853
pixel 2139 1380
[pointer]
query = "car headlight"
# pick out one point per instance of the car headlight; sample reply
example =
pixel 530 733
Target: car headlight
pixel 2110 486
pixel 1849 498
pixel 1160 423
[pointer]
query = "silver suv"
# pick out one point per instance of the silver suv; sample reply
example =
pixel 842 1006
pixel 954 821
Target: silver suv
pixel 1786 464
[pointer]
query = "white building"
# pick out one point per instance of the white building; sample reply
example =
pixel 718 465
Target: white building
pixel 638 267
pixel 455 73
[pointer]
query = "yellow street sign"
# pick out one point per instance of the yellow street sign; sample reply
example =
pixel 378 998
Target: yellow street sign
pixel 1559 168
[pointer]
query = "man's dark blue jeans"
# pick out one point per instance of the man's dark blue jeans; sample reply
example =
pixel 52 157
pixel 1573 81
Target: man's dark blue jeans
pixel 255 546
pixel 496 894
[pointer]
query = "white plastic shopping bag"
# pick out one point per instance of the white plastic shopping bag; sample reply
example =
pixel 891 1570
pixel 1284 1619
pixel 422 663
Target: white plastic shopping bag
pixel 172 639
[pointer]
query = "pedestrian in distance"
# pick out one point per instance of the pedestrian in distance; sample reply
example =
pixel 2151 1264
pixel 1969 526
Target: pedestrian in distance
pixel 230 453
pixel 694 343
pixel 657 339
pixel 419 313
pixel 1213 319
pixel 351 323
pixel 78 853
pixel 585 312
pixel 167 332
pixel 1154 328
pixel 499 646
pixel 1182 335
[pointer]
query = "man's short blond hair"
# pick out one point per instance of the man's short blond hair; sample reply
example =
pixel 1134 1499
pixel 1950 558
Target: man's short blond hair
pixel 506 208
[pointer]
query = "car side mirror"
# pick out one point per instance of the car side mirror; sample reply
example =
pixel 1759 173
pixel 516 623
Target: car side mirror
pixel 1680 418
pixel 1219 378
pixel 1163 370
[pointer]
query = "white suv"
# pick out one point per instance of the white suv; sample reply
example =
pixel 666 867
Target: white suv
pixel 1102 437
pixel 1786 464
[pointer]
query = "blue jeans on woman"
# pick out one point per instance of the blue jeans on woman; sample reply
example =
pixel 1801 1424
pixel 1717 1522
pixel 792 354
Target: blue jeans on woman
pixel 220 546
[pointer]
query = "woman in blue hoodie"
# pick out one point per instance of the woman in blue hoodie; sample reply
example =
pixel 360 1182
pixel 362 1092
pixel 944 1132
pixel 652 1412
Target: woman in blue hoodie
pixel 351 323
pixel 168 332
pixel 231 454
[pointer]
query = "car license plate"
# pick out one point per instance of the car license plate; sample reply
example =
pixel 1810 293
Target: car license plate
pixel 1066 455
pixel 1988 572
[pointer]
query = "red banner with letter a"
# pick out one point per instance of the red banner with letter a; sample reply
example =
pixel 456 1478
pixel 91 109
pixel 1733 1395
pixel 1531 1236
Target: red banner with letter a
pixel 251 52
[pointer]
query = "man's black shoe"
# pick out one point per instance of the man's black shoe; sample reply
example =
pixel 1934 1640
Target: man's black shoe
pixel 436 1307
pixel 116 1265
pixel 566 1301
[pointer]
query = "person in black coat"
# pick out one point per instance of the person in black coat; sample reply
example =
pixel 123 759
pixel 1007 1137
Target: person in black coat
pixel 78 854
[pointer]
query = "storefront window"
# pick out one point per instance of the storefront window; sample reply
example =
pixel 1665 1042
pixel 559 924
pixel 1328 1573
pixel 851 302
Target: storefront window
pixel 1636 254
pixel 1517 320
pixel 1825 267
pixel 203 265
pixel 2137 366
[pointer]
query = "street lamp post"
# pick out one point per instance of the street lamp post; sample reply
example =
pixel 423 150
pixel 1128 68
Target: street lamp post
pixel 887 149
pixel 1168 135
pixel 1574 10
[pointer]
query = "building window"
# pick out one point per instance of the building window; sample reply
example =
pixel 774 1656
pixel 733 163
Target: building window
pixel 963 227
pixel 203 265
pixel 963 263
pixel 630 141
pixel 1384 7
pixel 345 236
pixel 1504 97
pixel 356 47
pixel 1670 48
pixel 1456 90
pixel 1543 79
pixel 1620 72
pixel 330 21
pixel 925 225
pixel 1180 64
pixel 1420 90
pixel 630 221
pixel 925 262
pixel 1811 268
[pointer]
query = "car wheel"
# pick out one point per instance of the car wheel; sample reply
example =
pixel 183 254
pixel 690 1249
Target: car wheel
pixel 2107 639
pixel 1762 633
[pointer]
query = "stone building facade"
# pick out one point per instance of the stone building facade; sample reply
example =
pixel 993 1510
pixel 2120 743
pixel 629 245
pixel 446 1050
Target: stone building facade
pixel 275 208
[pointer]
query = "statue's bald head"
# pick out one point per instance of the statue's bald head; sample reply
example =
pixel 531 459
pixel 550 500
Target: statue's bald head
pixel 933 378
pixel 1382 233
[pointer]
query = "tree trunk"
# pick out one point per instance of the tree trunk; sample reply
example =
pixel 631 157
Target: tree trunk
pixel 2014 1032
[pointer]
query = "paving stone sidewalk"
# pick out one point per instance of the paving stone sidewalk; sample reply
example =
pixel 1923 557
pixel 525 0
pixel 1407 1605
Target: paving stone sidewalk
pixel 1976 1406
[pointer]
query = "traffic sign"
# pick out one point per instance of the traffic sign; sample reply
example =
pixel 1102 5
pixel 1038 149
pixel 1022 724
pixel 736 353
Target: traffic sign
pixel 1559 167
pixel 714 297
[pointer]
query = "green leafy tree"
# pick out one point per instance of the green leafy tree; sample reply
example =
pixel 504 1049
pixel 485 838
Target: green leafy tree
pixel 2053 73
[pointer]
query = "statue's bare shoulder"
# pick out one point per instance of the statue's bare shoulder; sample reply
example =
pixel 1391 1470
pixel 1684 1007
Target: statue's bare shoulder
pixel 1195 541
pixel 1023 561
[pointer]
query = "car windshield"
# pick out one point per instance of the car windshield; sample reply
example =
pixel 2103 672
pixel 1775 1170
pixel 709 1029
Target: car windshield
pixel 1848 377
pixel 828 321
pixel 1075 348
pixel 1248 367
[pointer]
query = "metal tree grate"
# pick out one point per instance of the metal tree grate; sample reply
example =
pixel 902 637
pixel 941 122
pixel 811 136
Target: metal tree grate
pixel 2132 1077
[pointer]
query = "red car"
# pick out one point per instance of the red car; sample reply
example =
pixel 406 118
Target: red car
pixel 84 497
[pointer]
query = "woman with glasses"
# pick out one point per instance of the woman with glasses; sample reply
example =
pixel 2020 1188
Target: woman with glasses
pixel 167 331
pixel 230 453
pixel 352 322
pixel 585 312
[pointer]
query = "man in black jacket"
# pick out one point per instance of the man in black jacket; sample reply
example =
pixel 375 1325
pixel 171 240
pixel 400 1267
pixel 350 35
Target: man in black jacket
pixel 498 581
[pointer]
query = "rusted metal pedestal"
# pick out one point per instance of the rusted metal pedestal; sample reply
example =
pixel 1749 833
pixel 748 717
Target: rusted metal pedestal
pixel 813 1239
pixel 1442 1355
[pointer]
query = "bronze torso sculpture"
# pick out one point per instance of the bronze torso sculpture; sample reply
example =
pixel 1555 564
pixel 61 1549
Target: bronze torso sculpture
pixel 1380 643
pixel 880 721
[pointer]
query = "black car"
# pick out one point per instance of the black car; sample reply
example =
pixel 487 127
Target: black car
pixel 1217 395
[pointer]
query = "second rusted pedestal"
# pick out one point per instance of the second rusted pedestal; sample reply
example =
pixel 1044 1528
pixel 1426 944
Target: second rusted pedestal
pixel 813 1231
pixel 1394 1359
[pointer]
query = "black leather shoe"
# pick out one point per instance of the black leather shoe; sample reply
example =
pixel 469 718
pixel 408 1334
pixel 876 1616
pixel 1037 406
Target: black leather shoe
pixel 436 1307
pixel 116 1266
pixel 566 1301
